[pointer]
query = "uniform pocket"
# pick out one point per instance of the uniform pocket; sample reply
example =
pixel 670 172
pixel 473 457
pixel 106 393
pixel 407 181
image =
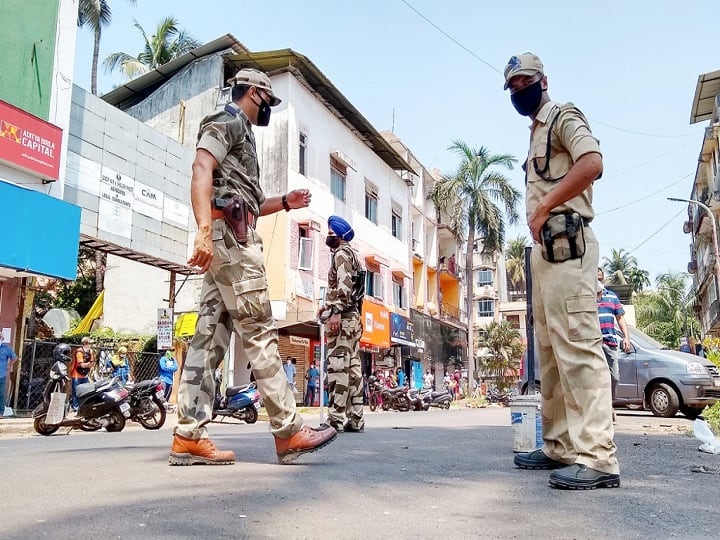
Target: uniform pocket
pixel 221 255
pixel 583 322
pixel 253 299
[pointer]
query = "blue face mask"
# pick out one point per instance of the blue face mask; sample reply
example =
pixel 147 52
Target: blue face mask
pixel 527 100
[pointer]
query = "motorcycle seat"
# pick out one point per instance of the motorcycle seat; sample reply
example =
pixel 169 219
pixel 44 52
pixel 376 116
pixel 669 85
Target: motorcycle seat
pixel 397 390
pixel 435 394
pixel 234 390
pixel 88 388
pixel 142 385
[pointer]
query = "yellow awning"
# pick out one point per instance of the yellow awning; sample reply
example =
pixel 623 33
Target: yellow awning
pixel 96 311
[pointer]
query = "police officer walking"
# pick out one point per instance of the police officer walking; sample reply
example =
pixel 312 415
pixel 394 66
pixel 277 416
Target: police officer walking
pixel 234 296
pixel 563 162
pixel 341 314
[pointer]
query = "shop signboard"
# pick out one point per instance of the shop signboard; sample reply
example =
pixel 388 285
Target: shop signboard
pixel 401 330
pixel 376 325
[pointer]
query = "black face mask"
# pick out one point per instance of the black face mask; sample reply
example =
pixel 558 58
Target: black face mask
pixel 263 118
pixel 527 100
pixel 333 242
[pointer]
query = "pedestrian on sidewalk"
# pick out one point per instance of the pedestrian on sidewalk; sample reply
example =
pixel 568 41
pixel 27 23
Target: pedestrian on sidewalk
pixel 313 379
pixel 563 162
pixel 341 314
pixel 228 251
pixel 7 359
pixel 166 371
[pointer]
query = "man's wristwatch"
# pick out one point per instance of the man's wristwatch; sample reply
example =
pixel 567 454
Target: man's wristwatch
pixel 285 204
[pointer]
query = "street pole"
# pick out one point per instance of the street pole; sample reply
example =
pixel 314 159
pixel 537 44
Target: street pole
pixel 714 233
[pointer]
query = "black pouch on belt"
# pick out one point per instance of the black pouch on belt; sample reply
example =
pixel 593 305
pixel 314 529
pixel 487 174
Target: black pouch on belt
pixel 235 213
pixel 563 237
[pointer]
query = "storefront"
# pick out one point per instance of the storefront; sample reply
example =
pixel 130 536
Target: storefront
pixel 375 340
pixel 402 337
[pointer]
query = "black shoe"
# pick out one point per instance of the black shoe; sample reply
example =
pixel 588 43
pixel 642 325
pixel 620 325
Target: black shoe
pixel 537 460
pixel 581 477
pixel 336 426
pixel 349 428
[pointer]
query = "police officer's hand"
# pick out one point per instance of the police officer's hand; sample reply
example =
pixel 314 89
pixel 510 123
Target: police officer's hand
pixel 536 220
pixel 333 324
pixel 299 198
pixel 202 251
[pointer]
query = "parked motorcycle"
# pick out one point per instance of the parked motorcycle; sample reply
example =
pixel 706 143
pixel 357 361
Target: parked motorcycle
pixel 496 396
pixel 374 392
pixel 416 400
pixel 100 404
pixel 436 398
pixel 395 398
pixel 240 402
pixel 147 403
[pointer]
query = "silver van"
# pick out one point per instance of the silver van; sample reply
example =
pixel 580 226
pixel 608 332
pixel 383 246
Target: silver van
pixel 657 378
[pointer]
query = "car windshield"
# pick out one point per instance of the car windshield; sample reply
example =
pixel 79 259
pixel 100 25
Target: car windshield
pixel 642 339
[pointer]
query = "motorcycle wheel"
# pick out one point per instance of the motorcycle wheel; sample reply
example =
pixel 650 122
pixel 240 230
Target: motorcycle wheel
pixel 91 425
pixel 156 419
pixel 42 428
pixel 403 403
pixel 116 422
pixel 252 415
pixel 385 405
pixel 373 402
pixel 446 405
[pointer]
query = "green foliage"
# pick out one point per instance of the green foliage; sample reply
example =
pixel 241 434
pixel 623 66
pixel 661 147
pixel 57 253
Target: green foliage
pixel 78 295
pixel 515 261
pixel 504 346
pixel 621 268
pixel 712 415
pixel 106 337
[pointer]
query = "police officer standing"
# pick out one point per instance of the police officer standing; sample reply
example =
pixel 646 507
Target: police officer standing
pixel 341 314
pixel 563 162
pixel 235 292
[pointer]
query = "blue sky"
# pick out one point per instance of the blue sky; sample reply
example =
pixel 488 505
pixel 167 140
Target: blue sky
pixel 631 67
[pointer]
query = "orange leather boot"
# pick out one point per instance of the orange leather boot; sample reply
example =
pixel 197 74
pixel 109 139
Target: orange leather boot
pixel 186 451
pixel 303 442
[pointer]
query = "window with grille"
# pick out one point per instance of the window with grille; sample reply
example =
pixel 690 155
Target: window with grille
pixel 306 250
pixel 303 153
pixel 338 179
pixel 486 308
pixel 484 277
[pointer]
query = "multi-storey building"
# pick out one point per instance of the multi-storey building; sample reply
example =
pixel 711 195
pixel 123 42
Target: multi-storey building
pixel 705 208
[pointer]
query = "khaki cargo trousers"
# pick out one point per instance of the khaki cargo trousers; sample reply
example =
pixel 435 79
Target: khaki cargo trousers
pixel 574 376
pixel 235 296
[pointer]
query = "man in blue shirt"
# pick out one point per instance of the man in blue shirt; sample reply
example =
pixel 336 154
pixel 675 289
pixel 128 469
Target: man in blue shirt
pixel 7 359
pixel 290 371
pixel 168 367
pixel 313 378
pixel 610 312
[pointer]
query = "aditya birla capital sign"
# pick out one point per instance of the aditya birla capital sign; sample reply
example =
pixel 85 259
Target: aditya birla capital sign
pixel 29 143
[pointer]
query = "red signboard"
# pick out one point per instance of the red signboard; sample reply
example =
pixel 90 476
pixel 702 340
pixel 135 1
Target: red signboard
pixel 29 143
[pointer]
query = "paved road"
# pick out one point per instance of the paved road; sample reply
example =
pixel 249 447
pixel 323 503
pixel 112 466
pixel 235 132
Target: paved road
pixel 410 475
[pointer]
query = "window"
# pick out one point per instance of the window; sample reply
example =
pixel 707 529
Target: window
pixel 514 321
pixel 306 249
pixel 338 177
pixel 303 153
pixel 484 277
pixel 398 295
pixel 486 308
pixel 371 204
pixel 396 223
pixel 373 284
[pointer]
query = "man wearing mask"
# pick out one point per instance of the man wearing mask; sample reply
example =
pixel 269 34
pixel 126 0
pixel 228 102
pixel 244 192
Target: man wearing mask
pixel 121 364
pixel 80 368
pixel 7 359
pixel 167 368
pixel 341 314
pixel 235 292
pixel 563 162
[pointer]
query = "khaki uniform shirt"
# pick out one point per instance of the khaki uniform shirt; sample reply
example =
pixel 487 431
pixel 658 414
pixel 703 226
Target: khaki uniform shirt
pixel 571 139
pixel 229 138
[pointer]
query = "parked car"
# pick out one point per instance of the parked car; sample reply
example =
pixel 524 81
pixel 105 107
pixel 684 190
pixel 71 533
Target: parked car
pixel 657 378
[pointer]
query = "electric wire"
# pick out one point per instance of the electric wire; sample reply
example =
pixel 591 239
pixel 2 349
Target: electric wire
pixel 488 64
pixel 656 232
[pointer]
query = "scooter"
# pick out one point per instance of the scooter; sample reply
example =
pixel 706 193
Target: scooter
pixel 240 402
pixel 147 403
pixel 100 404
pixel 440 398
pixel 416 400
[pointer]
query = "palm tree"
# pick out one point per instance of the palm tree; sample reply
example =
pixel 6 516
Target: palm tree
pixel 617 266
pixel 639 279
pixel 504 345
pixel 168 42
pixel 95 14
pixel 474 198
pixel 515 262
pixel 666 313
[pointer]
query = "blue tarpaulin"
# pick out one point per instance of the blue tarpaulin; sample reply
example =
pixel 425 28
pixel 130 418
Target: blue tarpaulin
pixel 40 234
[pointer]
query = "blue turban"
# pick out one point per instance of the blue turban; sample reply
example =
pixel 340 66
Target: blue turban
pixel 341 228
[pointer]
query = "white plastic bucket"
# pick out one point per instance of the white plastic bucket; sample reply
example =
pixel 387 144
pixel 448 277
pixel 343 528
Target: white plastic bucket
pixel 526 420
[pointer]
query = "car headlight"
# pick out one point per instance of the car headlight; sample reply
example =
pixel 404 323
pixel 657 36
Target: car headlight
pixel 696 368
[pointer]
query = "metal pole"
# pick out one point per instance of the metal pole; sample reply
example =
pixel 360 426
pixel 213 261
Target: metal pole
pixel 529 326
pixel 714 233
